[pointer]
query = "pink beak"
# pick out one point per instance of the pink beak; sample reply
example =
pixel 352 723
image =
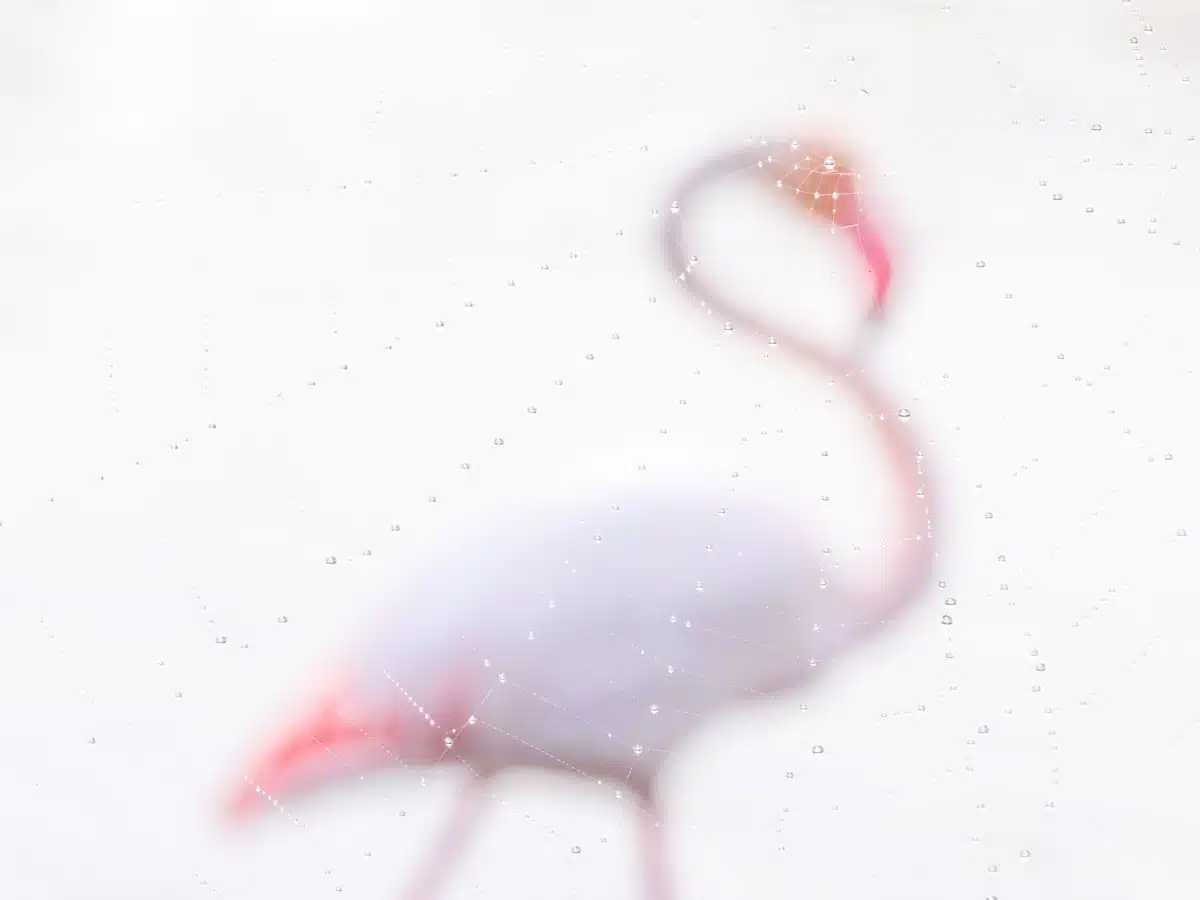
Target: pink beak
pixel 327 743
pixel 879 263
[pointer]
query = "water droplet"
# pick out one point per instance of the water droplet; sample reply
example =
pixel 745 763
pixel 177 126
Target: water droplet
pixel 903 413
pixel 950 601
pixel 980 264
pixel 91 740
pixel 654 709
pixel 1182 532
pixel 1057 197
pixel 982 729
pixel 790 775
pixel 221 639
pixel 818 749
pixel 498 442
pixel 830 163
pixel 1097 127
pixel 331 560
pixel 282 620
pixel 637 749
pixel 946 620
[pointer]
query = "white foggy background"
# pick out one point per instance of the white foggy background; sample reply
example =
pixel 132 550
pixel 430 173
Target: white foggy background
pixel 228 233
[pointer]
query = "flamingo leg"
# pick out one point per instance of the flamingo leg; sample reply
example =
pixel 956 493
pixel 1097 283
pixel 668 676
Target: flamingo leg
pixel 659 884
pixel 435 871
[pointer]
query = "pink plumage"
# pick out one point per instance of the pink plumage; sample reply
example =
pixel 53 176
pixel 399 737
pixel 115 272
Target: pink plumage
pixel 593 634
pixel 601 633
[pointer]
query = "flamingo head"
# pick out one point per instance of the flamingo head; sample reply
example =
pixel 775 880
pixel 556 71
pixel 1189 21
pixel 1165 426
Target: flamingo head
pixel 826 183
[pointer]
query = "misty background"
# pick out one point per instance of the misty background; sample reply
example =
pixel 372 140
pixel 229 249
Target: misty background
pixel 272 273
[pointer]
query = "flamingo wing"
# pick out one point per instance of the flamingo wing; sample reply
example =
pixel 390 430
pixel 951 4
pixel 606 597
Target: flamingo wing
pixel 607 633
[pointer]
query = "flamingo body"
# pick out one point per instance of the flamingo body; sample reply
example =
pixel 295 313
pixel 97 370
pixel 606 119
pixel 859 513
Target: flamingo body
pixel 594 639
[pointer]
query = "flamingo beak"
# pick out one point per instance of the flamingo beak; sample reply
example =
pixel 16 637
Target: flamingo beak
pixel 879 264
pixel 332 740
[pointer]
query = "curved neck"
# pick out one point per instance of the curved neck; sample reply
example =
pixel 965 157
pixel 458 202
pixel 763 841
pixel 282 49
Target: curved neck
pixel 909 554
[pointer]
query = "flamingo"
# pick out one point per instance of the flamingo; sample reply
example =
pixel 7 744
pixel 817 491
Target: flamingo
pixel 591 636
